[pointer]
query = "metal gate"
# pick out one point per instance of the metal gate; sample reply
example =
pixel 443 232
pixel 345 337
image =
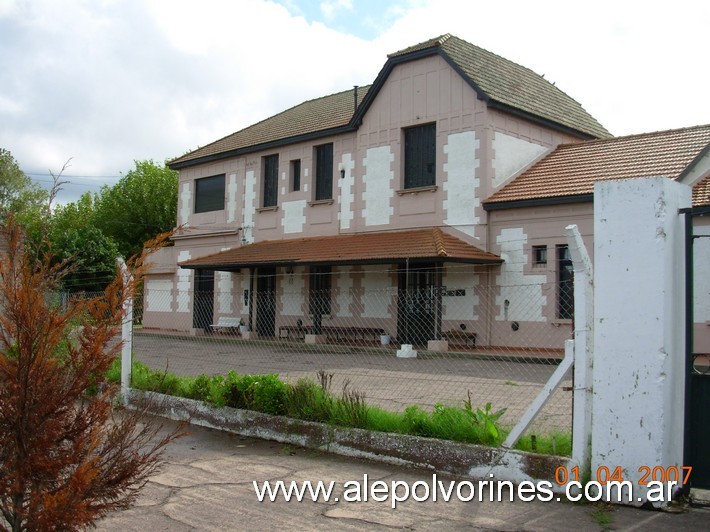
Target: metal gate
pixel 697 394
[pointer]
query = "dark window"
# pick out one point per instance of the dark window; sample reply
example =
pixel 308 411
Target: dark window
pixel 319 302
pixel 296 175
pixel 209 194
pixel 324 172
pixel 565 294
pixel 539 255
pixel 420 156
pixel 271 179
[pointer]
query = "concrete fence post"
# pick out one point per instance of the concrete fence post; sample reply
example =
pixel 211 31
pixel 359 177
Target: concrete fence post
pixel 583 349
pixel 639 374
pixel 126 333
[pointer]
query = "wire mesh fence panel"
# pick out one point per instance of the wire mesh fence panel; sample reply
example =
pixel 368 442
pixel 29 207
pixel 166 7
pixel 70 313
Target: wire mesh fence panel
pixel 491 341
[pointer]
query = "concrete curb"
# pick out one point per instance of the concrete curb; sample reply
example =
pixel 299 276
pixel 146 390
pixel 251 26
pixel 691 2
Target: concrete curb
pixel 465 460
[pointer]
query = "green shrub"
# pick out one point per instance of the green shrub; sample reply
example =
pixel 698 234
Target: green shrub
pixel 311 401
pixel 114 372
pixel 199 388
pixel 453 423
pixel 381 420
pixel 350 410
pixel 307 401
pixel 262 393
pixel 418 421
pixel 487 420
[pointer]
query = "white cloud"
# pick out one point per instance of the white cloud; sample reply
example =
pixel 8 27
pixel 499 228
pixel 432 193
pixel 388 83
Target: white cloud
pixel 332 8
pixel 108 82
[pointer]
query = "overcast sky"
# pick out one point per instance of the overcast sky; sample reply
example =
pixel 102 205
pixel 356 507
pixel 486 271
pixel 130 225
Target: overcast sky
pixel 109 82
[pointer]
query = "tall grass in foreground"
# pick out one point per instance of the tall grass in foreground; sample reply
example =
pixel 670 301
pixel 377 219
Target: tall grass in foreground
pixel 311 400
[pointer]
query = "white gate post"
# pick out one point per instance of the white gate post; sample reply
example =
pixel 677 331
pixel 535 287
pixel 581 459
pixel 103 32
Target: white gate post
pixel 126 332
pixel 639 362
pixel 583 349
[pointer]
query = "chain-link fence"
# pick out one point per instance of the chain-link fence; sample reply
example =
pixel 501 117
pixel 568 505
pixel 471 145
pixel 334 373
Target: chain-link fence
pixel 491 343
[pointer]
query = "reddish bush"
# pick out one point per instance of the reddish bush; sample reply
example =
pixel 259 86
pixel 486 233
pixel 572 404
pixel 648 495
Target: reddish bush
pixel 68 454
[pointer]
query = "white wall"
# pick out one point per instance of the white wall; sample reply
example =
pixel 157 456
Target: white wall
pixel 184 284
pixel 377 292
pixel 379 186
pixel 639 377
pixel 293 290
pixel 523 292
pixel 461 185
pixel 512 154
pixel 158 295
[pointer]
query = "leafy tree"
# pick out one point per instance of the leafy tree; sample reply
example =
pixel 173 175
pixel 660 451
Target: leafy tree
pixel 18 194
pixel 141 205
pixel 75 238
pixel 67 457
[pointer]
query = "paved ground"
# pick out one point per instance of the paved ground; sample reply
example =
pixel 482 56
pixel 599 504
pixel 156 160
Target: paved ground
pixel 391 382
pixel 206 484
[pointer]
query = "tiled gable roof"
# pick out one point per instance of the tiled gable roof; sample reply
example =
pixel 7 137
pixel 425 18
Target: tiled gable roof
pixel 701 193
pixel 321 114
pixel 572 169
pixel 377 248
pixel 497 80
pixel 512 85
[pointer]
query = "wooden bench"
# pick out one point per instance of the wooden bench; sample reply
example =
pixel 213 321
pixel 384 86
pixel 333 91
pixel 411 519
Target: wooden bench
pixel 296 332
pixel 226 323
pixel 353 333
pixel 458 337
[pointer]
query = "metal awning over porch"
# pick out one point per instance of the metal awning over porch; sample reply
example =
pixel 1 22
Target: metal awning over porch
pixel 390 247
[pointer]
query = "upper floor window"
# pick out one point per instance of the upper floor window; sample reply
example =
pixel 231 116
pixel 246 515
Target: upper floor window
pixel 209 193
pixel 324 172
pixel 270 170
pixel 420 156
pixel 295 175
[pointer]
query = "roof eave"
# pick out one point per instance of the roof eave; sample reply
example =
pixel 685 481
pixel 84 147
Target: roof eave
pixel 283 263
pixel 495 104
pixel 538 202
pixel 696 162
pixel 262 147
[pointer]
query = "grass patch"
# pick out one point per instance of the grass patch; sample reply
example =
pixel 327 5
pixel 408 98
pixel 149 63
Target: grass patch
pixel 602 516
pixel 312 400
pixel 555 443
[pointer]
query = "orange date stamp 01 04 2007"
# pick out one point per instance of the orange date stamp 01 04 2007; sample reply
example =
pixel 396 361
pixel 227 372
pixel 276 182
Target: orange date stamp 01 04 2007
pixel 676 474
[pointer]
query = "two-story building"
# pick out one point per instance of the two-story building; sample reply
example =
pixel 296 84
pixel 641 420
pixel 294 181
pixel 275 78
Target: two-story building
pixel 386 207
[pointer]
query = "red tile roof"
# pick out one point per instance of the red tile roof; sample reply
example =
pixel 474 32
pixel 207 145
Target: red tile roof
pixel 373 248
pixel 701 193
pixel 312 116
pixel 498 79
pixel 572 169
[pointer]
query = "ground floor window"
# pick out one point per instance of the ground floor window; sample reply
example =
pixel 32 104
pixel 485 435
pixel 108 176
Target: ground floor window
pixel 565 295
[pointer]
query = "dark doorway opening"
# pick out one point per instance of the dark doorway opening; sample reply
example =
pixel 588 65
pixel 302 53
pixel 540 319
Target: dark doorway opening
pixel 266 302
pixel 203 308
